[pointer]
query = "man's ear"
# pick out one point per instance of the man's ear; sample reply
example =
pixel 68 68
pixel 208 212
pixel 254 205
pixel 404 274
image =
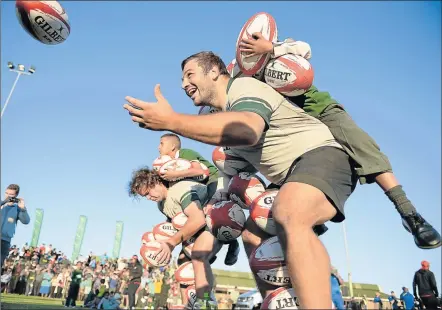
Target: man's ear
pixel 214 73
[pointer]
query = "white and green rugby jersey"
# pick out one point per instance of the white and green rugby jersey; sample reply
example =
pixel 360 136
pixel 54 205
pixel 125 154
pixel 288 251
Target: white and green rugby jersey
pixel 289 132
pixel 180 195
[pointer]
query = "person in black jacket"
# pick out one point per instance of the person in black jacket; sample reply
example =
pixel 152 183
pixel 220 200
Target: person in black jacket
pixel 135 273
pixel 425 282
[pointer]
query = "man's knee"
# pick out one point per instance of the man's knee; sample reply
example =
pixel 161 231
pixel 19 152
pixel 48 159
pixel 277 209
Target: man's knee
pixel 299 205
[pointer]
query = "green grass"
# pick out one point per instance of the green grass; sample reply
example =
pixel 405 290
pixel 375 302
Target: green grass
pixel 10 302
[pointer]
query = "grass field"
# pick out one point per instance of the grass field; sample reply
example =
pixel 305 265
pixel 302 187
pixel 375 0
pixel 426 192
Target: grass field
pixel 9 302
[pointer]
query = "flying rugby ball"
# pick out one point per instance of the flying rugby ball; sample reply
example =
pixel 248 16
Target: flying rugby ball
pixel 188 246
pixel 244 188
pixel 207 110
pixel 147 236
pixel 266 25
pixel 291 75
pixel 179 220
pixel 226 220
pixel 149 254
pixel 224 159
pixel 164 231
pixel 268 263
pixel 184 274
pixel 261 212
pixel 45 21
pixel 160 161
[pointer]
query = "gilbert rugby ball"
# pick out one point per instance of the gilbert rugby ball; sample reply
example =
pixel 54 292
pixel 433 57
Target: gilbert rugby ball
pixel 184 274
pixel 159 161
pixel 180 164
pixel 45 21
pixel 226 220
pixel 261 212
pixel 188 246
pixel 283 298
pixel 228 163
pixel 268 263
pixel 147 236
pixel 289 74
pixel 179 220
pixel 207 110
pixel 266 25
pixel 149 253
pixel 164 231
pixel 244 188
pixel 233 69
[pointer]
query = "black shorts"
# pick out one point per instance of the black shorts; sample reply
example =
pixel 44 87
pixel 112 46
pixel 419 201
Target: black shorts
pixel 330 170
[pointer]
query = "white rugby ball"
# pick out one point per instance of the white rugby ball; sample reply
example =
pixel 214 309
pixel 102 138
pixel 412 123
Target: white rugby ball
pixel 268 263
pixel 226 220
pixel 149 252
pixel 244 188
pixel 163 231
pixel 45 21
pixel 227 162
pixel 261 212
pixel 291 75
pixel 160 161
pixel 266 25
pixel 179 220
pixel 180 164
pixel 188 246
pixel 147 236
pixel 207 110
pixel 184 274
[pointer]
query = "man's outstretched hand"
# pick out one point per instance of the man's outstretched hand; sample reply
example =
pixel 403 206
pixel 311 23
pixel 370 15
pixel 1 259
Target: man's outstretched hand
pixel 151 115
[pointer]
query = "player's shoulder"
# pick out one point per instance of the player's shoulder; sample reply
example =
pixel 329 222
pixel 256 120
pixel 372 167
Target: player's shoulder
pixel 188 154
pixel 178 189
pixel 238 84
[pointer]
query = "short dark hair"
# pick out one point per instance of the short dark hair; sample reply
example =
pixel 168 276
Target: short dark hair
pixel 172 135
pixel 144 177
pixel 14 187
pixel 207 60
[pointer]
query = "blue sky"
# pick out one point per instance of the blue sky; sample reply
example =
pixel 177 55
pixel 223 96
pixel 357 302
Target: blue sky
pixel 70 145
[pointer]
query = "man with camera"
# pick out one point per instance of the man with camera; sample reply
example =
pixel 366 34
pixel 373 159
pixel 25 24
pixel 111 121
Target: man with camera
pixel 12 210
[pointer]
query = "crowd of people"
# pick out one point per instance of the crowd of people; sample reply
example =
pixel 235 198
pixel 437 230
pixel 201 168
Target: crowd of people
pixel 99 281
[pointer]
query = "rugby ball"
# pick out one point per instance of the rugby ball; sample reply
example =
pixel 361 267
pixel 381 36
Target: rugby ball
pixel 163 231
pixel 291 75
pixel 184 274
pixel 268 263
pixel 244 188
pixel 188 246
pixel 147 236
pixel 233 69
pixel 191 296
pixel 149 253
pixel 261 212
pixel 207 110
pixel 227 162
pixel 45 21
pixel 281 298
pixel 179 220
pixel 226 220
pixel 266 25
pixel 160 161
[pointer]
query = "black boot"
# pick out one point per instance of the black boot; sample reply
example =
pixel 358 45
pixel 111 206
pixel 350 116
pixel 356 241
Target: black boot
pixel 425 236
pixel 232 253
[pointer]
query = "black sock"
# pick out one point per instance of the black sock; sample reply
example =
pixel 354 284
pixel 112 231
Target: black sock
pixel 400 200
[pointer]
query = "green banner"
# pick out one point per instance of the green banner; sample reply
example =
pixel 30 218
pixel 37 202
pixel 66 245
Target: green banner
pixel 118 238
pixel 37 227
pixel 79 236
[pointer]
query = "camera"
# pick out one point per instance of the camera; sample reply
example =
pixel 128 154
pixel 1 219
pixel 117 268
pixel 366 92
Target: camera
pixel 14 200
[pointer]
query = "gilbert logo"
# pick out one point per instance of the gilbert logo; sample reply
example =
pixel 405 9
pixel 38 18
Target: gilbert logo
pixel 282 76
pixel 51 33
pixel 287 303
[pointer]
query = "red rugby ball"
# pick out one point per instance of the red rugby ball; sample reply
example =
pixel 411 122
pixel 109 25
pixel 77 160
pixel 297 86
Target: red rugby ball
pixel 261 211
pixel 184 274
pixel 266 25
pixel 226 220
pixel 244 188
pixel 164 231
pixel 147 236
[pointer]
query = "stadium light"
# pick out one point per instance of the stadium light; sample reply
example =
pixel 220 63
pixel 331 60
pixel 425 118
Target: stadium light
pixel 350 282
pixel 20 71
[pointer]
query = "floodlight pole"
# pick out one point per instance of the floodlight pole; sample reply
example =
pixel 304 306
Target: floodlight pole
pixel 350 283
pixel 19 73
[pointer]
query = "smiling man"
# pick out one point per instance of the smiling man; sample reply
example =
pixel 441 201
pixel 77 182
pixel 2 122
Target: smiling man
pixel 289 147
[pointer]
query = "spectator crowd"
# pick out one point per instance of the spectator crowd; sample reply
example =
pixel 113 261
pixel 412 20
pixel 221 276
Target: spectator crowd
pixel 103 282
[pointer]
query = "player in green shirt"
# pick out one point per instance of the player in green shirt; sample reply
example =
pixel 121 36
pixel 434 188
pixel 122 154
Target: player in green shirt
pixel 370 163
pixel 170 144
